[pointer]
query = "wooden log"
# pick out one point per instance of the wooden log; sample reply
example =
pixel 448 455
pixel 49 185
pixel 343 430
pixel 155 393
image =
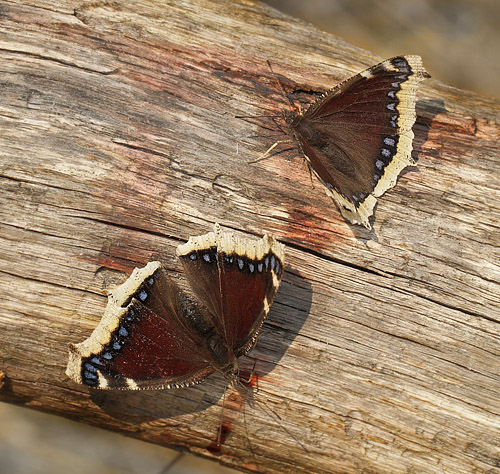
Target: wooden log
pixel 118 140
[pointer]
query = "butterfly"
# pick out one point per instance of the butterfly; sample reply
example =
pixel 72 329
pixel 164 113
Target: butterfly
pixel 357 137
pixel 155 336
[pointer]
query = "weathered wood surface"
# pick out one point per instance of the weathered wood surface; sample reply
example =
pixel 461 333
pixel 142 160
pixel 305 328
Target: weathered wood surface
pixel 118 140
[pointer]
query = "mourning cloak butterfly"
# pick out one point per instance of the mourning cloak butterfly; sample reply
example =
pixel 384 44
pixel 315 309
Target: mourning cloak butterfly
pixel 154 336
pixel 358 136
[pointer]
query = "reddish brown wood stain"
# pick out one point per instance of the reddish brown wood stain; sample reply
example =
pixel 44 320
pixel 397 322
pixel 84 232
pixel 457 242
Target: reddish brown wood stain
pixel 314 227
pixel 233 406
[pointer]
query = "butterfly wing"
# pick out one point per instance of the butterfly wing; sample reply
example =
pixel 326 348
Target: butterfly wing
pixel 358 136
pixel 250 275
pixel 145 338
pixel 237 279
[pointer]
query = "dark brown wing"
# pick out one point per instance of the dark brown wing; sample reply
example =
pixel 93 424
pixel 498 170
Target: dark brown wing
pixel 358 136
pixel 250 275
pixel 145 339
pixel 237 279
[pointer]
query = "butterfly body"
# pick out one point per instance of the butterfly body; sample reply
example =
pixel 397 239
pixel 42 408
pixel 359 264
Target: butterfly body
pixel 358 136
pixel 154 336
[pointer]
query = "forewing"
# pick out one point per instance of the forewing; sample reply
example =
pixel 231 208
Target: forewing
pixel 199 260
pixel 237 279
pixel 250 275
pixel 358 137
pixel 144 339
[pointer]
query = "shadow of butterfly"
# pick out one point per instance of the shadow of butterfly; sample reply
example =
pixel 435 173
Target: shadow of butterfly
pixel 358 136
pixel 154 336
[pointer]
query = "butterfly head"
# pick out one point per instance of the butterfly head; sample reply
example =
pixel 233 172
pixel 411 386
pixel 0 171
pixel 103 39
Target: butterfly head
pixel 231 371
pixel 292 118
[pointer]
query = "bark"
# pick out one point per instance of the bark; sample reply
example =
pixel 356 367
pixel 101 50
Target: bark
pixel 119 139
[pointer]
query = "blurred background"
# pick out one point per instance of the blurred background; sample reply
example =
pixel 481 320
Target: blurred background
pixel 459 41
pixel 38 443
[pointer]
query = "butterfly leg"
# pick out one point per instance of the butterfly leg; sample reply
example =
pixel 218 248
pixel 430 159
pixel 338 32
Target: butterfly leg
pixel 309 169
pixel 247 381
pixel 268 151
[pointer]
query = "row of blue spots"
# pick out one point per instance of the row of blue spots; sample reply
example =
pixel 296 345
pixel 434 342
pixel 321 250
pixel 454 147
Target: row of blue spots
pixel 96 362
pixel 388 148
pixel 270 262
pixel 90 367
pixel 89 373
pixel 389 143
pixel 207 256
pixel 388 151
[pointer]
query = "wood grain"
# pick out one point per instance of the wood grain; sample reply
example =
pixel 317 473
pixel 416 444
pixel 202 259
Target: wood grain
pixel 118 140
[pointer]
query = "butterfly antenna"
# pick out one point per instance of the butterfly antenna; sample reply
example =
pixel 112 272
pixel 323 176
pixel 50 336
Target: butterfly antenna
pixel 281 88
pixel 219 432
pixel 309 168
pixel 245 117
pixel 246 429
pixel 240 382
pixel 264 126
pixel 270 412
pixel 277 418
pixel 283 130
